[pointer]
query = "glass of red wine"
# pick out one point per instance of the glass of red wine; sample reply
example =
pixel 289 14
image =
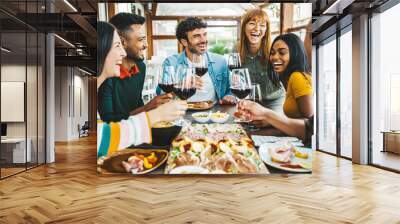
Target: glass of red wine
pixel 255 93
pixel 255 96
pixel 200 65
pixel 234 61
pixel 185 87
pixel 240 83
pixel 167 79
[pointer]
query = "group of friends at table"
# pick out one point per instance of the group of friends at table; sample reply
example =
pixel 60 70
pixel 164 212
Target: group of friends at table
pixel 281 69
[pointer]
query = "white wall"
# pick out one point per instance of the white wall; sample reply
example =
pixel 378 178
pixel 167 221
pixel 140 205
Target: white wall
pixel 71 93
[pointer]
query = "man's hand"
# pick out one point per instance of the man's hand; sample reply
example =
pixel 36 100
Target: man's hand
pixel 228 99
pixel 157 101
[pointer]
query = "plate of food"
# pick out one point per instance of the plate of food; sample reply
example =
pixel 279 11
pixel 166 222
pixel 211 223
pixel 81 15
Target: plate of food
pixel 203 105
pixel 219 117
pixel 135 161
pixel 285 156
pixel 218 148
pixel 201 117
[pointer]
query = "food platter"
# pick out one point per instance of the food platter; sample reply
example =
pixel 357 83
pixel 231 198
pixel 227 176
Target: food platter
pixel 198 106
pixel 285 156
pixel 142 161
pixel 214 149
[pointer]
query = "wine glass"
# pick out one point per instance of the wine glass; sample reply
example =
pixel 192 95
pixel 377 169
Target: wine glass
pixel 240 83
pixel 255 96
pixel 200 64
pixel 255 93
pixel 166 78
pixel 234 61
pixel 185 87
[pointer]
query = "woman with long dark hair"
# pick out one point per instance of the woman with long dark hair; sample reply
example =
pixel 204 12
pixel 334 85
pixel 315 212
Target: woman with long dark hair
pixel 288 64
pixel 136 129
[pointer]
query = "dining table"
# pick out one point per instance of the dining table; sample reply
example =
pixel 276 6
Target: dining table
pixel 249 129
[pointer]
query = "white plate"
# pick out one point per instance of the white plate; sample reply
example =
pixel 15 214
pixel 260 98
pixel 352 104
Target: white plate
pixel 189 170
pixel 266 157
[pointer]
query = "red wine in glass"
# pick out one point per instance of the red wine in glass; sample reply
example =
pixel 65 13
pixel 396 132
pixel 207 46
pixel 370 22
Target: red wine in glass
pixel 167 88
pixel 184 93
pixel 241 93
pixel 200 71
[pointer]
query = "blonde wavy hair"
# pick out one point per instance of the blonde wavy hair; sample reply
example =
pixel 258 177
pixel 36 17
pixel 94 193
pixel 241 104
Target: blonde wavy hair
pixel 259 14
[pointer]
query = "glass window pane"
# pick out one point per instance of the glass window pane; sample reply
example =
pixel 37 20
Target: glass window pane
pixel 346 94
pixel 31 101
pixel 165 48
pixel 222 40
pixel 301 14
pixel 222 23
pixel 13 82
pixel 274 13
pixel 385 87
pixel 301 33
pixel 201 9
pixel 327 96
pixel 164 27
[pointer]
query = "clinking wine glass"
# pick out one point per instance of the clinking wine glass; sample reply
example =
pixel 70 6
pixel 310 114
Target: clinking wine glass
pixel 255 93
pixel 166 79
pixel 234 61
pixel 200 65
pixel 240 83
pixel 255 96
pixel 185 87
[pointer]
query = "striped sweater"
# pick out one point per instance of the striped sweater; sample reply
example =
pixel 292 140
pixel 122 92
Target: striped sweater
pixel 115 136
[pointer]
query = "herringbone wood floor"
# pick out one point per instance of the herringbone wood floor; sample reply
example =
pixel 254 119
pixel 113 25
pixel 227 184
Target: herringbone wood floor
pixel 69 191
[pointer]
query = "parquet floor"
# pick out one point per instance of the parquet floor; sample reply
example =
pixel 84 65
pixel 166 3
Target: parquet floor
pixel 69 191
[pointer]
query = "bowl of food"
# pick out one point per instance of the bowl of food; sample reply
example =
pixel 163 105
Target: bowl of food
pixel 164 132
pixel 219 117
pixel 201 117
pixel 135 161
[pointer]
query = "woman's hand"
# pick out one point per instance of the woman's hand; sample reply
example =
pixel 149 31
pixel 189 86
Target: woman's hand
pixel 169 111
pixel 252 110
pixel 260 123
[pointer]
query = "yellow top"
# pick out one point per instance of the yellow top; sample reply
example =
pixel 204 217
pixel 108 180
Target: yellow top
pixel 299 84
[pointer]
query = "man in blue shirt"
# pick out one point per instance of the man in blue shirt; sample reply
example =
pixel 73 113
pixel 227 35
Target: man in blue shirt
pixel 192 34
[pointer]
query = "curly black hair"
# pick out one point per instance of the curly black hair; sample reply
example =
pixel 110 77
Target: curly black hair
pixel 187 25
pixel 123 21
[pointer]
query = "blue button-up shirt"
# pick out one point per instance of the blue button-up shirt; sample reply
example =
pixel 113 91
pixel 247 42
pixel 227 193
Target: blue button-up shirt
pixel 217 69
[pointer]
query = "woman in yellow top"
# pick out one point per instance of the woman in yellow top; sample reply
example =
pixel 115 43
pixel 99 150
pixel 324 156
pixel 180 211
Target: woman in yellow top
pixel 288 63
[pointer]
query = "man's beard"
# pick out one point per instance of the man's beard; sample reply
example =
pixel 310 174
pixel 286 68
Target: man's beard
pixel 131 56
pixel 193 50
